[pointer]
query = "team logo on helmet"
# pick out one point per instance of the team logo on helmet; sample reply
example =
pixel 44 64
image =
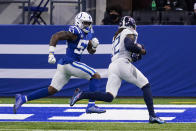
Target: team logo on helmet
pixel 127 22
pixel 84 21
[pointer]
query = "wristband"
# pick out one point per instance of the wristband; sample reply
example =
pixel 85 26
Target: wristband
pixel 51 49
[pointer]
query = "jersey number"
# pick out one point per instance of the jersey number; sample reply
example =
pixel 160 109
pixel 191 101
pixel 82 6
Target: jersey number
pixel 115 44
pixel 82 44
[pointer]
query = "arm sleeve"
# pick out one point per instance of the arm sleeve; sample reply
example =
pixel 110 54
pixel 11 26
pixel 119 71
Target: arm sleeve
pixel 130 46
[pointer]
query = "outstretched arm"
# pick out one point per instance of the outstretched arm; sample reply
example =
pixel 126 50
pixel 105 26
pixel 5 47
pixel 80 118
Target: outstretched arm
pixel 62 35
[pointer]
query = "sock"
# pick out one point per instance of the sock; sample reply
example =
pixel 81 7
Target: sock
pixel 24 98
pixel 148 99
pixel 38 94
pixel 93 86
pixel 99 96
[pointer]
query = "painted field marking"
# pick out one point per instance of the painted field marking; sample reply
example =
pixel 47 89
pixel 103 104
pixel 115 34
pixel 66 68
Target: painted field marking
pixel 170 111
pixel 114 113
pixel 36 101
pixel 184 102
pixel 102 105
pixel 75 110
pixel 111 115
pixel 14 116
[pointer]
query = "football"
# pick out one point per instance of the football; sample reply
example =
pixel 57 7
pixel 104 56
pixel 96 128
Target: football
pixel 139 45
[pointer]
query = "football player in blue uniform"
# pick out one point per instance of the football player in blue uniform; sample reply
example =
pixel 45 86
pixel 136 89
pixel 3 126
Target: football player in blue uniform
pixel 125 51
pixel 79 37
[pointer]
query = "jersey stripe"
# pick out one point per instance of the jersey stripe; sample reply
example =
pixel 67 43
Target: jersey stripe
pixel 79 31
pixel 86 66
pixel 81 68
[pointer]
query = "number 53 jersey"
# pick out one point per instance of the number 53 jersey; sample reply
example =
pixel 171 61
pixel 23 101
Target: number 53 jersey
pixel 75 48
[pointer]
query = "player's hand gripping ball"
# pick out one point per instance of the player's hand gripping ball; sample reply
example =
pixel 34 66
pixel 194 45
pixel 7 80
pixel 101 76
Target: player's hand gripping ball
pixel 140 46
pixel 135 57
pixel 143 51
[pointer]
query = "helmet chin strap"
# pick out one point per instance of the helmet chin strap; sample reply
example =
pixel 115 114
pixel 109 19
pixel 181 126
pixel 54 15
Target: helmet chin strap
pixel 87 29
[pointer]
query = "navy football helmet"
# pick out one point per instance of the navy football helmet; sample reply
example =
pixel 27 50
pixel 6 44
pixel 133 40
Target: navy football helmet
pixel 127 22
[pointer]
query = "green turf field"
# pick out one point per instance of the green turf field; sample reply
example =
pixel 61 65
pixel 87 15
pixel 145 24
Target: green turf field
pixel 99 126
pixel 115 101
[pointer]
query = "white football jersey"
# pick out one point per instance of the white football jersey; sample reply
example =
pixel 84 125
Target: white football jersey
pixel 118 46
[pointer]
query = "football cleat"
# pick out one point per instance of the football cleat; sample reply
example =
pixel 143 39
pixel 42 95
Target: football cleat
pixel 156 120
pixel 75 97
pixel 94 109
pixel 20 99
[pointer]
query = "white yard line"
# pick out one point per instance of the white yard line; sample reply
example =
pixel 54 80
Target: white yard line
pixel 14 116
pixel 102 105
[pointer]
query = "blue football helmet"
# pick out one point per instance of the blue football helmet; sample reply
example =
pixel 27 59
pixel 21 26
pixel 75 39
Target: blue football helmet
pixel 127 22
pixel 84 21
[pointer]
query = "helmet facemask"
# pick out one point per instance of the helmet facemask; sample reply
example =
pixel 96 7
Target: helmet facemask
pixel 84 21
pixel 86 26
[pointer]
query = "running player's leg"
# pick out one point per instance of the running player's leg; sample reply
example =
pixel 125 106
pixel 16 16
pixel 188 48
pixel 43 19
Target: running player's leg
pixel 82 70
pixel 114 80
pixel 59 80
pixel 113 85
pixel 112 88
pixel 132 75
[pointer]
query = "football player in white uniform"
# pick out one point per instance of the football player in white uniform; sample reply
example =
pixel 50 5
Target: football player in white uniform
pixel 125 51
pixel 79 37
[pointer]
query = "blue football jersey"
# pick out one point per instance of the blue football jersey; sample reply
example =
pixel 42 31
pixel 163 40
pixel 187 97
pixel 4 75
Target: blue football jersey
pixel 75 48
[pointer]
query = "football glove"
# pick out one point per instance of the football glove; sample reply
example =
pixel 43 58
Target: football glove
pixel 140 45
pixel 135 57
pixel 95 43
pixel 51 58
pixel 143 51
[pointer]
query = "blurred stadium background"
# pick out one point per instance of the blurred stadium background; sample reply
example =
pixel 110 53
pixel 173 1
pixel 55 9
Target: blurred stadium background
pixel 168 35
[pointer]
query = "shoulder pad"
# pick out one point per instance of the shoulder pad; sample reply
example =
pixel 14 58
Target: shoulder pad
pixel 92 31
pixel 75 30
pixel 130 31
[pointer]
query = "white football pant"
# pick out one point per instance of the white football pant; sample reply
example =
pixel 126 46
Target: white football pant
pixel 122 69
pixel 64 73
